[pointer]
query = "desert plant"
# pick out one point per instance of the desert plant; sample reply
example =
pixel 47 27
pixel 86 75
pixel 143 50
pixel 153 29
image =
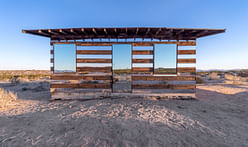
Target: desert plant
pixel 15 80
pixel 199 80
pixel 6 98
pixel 214 76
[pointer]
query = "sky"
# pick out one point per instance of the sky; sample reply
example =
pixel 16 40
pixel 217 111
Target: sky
pixel 228 50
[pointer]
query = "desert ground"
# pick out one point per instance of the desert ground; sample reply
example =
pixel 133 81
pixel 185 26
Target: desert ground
pixel 217 117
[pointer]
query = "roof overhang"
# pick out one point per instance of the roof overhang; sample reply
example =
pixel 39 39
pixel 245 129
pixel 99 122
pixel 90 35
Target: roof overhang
pixel 160 33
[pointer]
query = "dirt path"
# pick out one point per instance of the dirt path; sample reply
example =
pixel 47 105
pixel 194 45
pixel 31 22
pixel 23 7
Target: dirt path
pixel 217 118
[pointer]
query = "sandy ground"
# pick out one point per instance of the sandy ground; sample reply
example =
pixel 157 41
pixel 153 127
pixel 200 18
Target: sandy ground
pixel 217 118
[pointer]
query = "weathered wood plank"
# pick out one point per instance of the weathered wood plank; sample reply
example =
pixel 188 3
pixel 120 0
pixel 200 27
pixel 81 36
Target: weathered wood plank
pixel 94 52
pixel 162 86
pixel 142 69
pixel 186 60
pixel 188 43
pixel 73 85
pixel 142 60
pixel 80 77
pixel 163 78
pixel 84 60
pixel 142 52
pixel 186 52
pixel 94 69
pixel 186 69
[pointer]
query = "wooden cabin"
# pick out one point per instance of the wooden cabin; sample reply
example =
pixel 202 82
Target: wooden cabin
pixel 103 62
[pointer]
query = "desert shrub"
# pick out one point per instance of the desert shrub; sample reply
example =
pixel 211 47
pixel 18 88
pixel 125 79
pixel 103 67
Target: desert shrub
pixel 199 80
pixel 214 76
pixel 6 76
pixel 6 98
pixel 230 77
pixel 15 80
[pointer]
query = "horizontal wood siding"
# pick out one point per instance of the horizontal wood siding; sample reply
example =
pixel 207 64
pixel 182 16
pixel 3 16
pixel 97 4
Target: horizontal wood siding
pixel 142 60
pixel 94 69
pixel 84 60
pixel 94 52
pixel 142 52
pixel 72 85
pixel 142 69
pixel 162 86
pixel 186 52
pixel 186 60
pixel 163 78
pixel 81 77
pixel 186 69
pixel 188 43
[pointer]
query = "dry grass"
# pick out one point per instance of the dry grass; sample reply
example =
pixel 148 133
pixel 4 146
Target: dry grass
pixel 7 98
pixel 30 77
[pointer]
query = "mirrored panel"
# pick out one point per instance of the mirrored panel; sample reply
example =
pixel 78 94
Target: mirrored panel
pixel 121 67
pixel 64 58
pixel 165 56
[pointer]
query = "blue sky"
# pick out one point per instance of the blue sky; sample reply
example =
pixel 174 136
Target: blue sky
pixel 223 51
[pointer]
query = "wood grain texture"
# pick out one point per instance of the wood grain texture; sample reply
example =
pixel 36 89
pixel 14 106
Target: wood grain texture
pixel 142 60
pixel 186 52
pixel 142 52
pixel 84 60
pixel 186 60
pixel 162 86
pixel 163 78
pixel 94 52
pixel 94 69
pixel 71 85
pixel 80 77
pixel 142 69
pixel 186 69
pixel 188 43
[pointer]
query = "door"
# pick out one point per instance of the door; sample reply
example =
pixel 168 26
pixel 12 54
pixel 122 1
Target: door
pixel 121 68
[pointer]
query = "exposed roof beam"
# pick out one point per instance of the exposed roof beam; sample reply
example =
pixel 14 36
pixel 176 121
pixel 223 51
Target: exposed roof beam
pixel 158 31
pixel 147 31
pixel 73 32
pixel 44 33
pixel 137 30
pixel 105 31
pixel 94 30
pixel 62 31
pixel 53 32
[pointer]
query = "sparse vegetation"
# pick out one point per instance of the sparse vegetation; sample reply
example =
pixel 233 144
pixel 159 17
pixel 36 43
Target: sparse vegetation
pixel 199 80
pixel 23 74
pixel 6 98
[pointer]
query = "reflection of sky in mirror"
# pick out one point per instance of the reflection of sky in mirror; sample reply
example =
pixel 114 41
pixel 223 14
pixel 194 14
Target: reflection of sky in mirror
pixel 122 56
pixel 65 57
pixel 165 55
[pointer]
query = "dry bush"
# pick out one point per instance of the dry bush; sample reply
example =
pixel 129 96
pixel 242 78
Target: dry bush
pixel 15 80
pixel 231 77
pixel 199 80
pixel 6 98
pixel 214 76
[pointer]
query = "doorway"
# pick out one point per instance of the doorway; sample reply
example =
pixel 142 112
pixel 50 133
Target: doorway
pixel 121 66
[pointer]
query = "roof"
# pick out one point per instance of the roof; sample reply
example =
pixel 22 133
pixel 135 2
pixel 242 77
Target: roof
pixel 160 33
